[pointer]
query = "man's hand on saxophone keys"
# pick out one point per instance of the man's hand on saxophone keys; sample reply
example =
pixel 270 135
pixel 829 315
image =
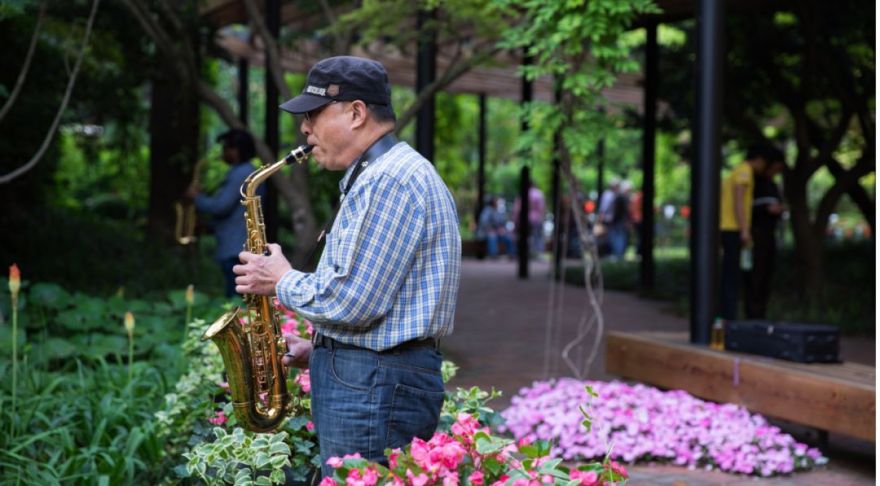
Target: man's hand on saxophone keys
pixel 298 352
pixel 258 274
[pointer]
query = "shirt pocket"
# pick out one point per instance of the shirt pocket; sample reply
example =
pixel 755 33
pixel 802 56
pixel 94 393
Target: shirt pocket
pixel 340 247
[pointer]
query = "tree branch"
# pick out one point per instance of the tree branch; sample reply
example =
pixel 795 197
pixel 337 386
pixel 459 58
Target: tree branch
pixel 452 73
pixel 846 181
pixel 25 68
pixel 70 84
pixel 161 38
pixel 273 62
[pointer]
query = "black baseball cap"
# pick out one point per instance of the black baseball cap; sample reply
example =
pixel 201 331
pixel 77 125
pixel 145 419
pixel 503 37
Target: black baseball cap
pixel 342 78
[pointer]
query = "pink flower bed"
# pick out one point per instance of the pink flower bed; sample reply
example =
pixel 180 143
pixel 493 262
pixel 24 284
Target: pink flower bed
pixel 641 423
pixel 469 456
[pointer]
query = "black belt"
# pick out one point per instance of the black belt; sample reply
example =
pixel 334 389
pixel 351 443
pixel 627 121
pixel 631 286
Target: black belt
pixel 320 340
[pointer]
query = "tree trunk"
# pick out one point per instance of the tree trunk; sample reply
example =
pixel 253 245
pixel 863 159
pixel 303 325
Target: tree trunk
pixel 174 134
pixel 807 240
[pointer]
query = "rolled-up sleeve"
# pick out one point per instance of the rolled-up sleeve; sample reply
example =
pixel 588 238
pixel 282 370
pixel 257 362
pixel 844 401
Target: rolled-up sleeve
pixel 368 256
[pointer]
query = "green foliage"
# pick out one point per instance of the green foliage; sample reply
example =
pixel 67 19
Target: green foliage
pixel 241 459
pixel 471 401
pixel 840 303
pixel 92 254
pixel 83 426
pixel 580 44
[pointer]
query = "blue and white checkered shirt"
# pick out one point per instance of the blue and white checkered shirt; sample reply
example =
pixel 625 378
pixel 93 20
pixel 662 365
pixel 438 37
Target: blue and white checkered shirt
pixel 390 270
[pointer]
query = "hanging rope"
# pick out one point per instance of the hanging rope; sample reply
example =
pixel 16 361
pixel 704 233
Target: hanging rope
pixel 591 321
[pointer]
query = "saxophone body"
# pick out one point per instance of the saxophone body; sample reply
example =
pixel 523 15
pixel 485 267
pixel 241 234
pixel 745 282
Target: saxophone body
pixel 249 337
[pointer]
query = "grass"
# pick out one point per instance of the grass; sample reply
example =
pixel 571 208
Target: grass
pixel 847 299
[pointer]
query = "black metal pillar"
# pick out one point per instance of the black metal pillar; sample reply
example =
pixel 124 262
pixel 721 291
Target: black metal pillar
pixel 523 223
pixel 426 72
pixel 481 161
pixel 705 168
pixel 270 202
pixel 243 83
pixel 600 165
pixel 560 220
pixel 646 236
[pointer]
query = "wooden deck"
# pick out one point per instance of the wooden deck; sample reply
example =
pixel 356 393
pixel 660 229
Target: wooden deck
pixel 836 397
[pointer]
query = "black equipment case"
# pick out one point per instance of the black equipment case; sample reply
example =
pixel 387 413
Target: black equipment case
pixel 805 343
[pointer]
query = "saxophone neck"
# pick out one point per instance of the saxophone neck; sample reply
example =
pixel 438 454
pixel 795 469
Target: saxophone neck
pixel 257 177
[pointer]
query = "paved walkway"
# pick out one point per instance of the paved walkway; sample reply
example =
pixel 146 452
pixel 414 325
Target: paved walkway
pixel 499 341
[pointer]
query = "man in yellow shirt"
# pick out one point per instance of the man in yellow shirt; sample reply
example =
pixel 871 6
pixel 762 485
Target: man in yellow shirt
pixel 735 220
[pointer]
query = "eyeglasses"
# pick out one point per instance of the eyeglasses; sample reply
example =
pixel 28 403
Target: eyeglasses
pixel 311 116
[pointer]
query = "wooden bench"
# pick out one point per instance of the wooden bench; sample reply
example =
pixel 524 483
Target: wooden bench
pixel 836 397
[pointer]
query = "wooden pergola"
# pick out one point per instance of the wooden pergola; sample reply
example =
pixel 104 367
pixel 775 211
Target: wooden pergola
pixel 501 80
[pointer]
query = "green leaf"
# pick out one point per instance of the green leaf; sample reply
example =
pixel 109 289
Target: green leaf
pixel 262 460
pixel 49 295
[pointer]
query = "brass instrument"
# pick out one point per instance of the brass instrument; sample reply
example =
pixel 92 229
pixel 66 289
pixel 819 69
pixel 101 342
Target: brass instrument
pixel 185 213
pixel 249 338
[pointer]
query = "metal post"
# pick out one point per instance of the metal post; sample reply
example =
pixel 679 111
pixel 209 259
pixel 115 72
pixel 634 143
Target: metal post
pixel 646 236
pixel 560 221
pixel 481 167
pixel 523 223
pixel 600 166
pixel 706 169
pixel 270 203
pixel 523 242
pixel 426 72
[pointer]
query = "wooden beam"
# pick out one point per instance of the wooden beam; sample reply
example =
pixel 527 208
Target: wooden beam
pixel 836 397
pixel 501 81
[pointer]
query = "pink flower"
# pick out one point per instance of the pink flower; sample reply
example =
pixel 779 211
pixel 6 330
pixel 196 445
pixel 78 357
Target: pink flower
pixel 420 480
pixel 304 381
pixel 396 481
pixel 465 426
pixel 476 477
pixel 289 327
pixel 310 426
pixel 334 462
pixel 392 458
pixel 327 481
pixel 450 479
pixel 219 418
pixel 618 468
pixel 586 478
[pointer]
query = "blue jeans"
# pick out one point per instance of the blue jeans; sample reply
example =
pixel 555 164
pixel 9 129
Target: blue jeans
pixel 492 241
pixel 618 235
pixel 364 401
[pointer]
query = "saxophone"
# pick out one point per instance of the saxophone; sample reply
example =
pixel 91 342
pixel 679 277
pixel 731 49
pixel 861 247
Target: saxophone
pixel 249 338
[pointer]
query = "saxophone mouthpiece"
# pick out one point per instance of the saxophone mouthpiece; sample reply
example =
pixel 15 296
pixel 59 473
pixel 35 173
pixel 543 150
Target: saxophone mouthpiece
pixel 299 154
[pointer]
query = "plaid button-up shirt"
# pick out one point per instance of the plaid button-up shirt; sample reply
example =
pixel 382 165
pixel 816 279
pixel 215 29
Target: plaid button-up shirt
pixel 390 270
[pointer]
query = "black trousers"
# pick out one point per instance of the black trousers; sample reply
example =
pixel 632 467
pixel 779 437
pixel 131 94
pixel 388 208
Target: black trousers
pixel 758 282
pixel 730 274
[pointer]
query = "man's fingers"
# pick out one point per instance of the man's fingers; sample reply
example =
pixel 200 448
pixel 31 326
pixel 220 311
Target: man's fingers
pixel 246 256
pixel 274 248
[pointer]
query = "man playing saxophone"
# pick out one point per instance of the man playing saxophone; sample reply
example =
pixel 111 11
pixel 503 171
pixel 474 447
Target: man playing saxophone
pixel 385 288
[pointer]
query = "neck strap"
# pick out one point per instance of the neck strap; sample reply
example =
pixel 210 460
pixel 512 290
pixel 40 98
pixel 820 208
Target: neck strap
pixel 379 148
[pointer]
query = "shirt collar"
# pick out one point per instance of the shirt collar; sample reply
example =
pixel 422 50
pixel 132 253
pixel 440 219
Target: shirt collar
pixel 379 148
